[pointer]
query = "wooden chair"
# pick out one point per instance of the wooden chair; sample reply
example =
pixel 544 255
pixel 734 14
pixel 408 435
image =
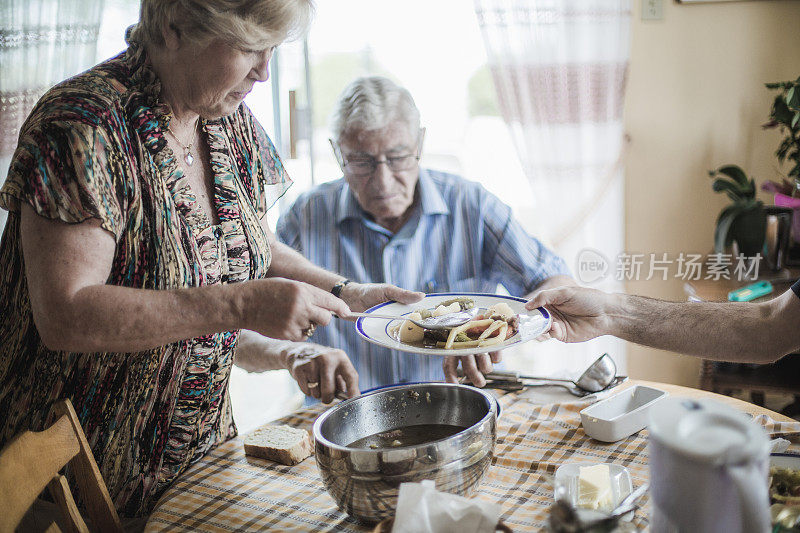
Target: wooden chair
pixel 32 460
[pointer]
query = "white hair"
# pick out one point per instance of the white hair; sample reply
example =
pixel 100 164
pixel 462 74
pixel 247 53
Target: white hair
pixel 242 23
pixel 372 103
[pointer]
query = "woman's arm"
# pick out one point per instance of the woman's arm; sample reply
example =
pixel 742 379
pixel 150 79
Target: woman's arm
pixel 67 266
pixel 289 263
pixel 326 369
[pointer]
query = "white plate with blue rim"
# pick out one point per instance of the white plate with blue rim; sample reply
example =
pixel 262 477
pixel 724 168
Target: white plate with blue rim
pixel 382 332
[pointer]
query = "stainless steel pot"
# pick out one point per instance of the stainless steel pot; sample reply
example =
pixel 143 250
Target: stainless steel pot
pixel 364 482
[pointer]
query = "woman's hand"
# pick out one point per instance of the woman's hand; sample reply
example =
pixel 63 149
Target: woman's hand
pixel 361 296
pixel 321 371
pixel 474 367
pixel 286 309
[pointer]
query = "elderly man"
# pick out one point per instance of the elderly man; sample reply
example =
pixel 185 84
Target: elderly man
pixel 391 221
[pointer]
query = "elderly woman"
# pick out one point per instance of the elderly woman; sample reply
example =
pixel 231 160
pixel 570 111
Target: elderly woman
pixel 137 246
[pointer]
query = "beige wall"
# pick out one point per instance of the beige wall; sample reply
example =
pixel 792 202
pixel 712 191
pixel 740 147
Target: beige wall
pixel 696 100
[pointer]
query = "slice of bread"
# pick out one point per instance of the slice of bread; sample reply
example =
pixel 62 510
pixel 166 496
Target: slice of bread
pixel 283 444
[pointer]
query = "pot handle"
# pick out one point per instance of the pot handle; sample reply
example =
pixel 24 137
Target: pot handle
pixel 753 495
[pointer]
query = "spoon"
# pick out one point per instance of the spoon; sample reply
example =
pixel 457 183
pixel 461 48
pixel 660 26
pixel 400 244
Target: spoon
pixel 597 377
pixel 448 321
pixel 564 517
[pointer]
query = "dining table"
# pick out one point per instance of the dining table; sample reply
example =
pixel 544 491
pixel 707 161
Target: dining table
pixel 536 433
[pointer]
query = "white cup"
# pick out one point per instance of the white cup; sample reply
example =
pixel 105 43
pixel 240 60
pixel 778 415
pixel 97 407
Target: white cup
pixel 708 469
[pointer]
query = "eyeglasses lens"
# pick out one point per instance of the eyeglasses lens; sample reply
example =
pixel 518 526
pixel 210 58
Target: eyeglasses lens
pixel 365 167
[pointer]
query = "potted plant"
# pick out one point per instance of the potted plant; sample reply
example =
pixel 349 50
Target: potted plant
pixel 785 114
pixel 744 220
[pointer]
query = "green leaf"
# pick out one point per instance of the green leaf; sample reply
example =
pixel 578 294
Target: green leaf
pixel 780 111
pixel 722 236
pixel 728 209
pixel 775 85
pixel 735 198
pixel 731 188
pixel 795 119
pixel 793 97
pixel 735 173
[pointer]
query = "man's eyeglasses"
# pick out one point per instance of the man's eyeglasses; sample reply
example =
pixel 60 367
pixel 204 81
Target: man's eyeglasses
pixel 363 166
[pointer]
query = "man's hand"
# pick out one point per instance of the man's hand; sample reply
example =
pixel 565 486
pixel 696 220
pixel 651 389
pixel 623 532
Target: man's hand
pixel 321 371
pixel 579 313
pixel 474 367
pixel 361 296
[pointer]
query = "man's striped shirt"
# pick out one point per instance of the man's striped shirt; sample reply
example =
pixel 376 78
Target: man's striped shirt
pixel 459 238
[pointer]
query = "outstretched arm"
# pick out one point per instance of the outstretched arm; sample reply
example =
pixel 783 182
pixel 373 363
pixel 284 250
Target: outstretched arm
pixel 739 332
pixel 66 268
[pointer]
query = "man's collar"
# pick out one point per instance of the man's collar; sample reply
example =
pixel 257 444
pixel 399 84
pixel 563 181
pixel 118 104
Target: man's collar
pixel 347 205
pixel 430 199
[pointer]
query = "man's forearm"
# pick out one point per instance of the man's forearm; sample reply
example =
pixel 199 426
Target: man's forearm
pixel 720 331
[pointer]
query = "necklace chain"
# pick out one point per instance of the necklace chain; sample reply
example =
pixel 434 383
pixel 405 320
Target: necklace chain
pixel 187 149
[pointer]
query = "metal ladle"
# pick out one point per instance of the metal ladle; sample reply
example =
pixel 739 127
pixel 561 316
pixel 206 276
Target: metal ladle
pixel 597 377
pixel 446 321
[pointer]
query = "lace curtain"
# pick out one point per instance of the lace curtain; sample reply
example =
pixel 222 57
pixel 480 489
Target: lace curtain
pixel 41 43
pixel 559 69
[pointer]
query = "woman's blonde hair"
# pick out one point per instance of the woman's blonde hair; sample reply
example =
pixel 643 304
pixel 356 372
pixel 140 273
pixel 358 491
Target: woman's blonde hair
pixel 241 23
pixel 372 103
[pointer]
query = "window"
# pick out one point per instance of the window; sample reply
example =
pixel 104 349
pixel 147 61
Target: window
pixel 435 50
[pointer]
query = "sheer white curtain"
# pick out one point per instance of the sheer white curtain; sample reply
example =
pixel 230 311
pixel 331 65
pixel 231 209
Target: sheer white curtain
pixel 559 69
pixel 41 43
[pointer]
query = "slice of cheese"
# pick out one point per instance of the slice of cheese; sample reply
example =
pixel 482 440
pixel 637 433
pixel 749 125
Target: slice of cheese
pixel 594 487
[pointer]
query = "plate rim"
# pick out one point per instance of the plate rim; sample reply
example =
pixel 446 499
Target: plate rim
pixel 460 352
pixel 793 456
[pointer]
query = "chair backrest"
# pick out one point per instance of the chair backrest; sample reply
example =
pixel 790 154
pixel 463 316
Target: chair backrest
pixel 32 460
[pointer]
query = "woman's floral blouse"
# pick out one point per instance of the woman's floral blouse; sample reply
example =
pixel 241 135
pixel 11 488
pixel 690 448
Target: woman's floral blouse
pixel 94 147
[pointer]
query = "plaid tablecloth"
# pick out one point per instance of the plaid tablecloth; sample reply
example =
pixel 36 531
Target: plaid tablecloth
pixel 227 491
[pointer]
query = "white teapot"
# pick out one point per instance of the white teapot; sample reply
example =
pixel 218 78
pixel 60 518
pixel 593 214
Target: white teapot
pixel 708 469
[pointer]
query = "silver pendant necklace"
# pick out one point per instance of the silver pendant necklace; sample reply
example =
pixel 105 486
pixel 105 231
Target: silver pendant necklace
pixel 187 149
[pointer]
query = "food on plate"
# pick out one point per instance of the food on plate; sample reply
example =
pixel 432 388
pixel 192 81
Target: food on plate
pixel 280 443
pixel 594 487
pixel 493 326
pixel 409 332
pixel 784 485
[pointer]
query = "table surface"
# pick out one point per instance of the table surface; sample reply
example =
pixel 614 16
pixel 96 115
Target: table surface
pixel 711 290
pixel 227 491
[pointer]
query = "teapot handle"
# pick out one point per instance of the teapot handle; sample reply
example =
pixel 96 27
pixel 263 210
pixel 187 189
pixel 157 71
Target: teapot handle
pixel 753 495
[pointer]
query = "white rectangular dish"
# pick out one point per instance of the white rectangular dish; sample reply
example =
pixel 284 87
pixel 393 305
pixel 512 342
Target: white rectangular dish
pixel 621 415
